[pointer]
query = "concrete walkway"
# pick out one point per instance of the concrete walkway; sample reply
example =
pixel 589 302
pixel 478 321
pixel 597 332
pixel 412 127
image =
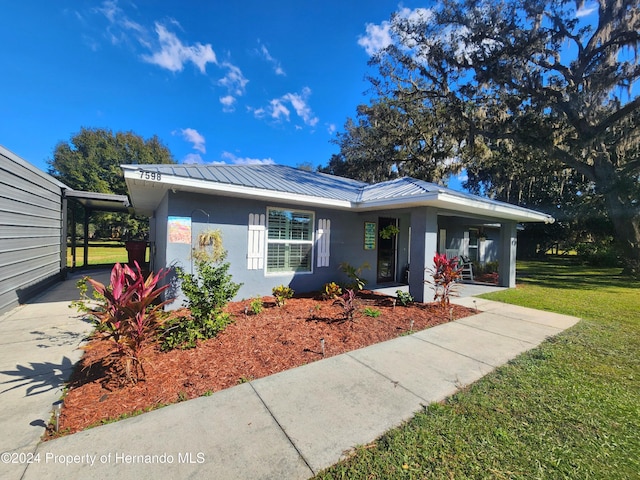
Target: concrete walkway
pixel 286 426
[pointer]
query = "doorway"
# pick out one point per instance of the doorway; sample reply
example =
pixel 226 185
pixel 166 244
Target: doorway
pixel 387 249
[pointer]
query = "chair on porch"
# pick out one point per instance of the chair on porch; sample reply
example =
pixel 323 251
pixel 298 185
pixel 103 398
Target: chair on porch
pixel 451 252
pixel 467 268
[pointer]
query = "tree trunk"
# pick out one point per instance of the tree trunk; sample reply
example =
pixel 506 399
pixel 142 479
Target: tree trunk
pixel 623 214
pixel 626 223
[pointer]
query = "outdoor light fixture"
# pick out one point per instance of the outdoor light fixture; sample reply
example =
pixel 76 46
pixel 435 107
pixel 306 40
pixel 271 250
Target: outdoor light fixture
pixel 57 407
pixel 322 345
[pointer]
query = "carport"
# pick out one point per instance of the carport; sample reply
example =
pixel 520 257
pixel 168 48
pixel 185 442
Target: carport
pixel 91 202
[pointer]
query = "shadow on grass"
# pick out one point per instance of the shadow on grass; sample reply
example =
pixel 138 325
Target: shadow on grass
pixel 569 273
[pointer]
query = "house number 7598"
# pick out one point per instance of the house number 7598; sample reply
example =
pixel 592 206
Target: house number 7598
pixel 150 175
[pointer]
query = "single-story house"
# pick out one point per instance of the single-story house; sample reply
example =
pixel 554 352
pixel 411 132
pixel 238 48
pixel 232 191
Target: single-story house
pixel 286 226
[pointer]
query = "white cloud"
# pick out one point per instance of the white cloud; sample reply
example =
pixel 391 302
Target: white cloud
pixel 246 160
pixel 299 103
pixel 173 54
pixel 586 10
pixel 192 158
pixel 234 80
pixel 193 136
pixel 264 53
pixel 228 103
pixel 257 112
pixel 331 128
pixel 110 10
pixel 120 25
pixel 278 108
pixel 378 37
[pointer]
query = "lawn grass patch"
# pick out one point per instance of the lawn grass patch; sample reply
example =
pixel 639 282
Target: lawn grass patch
pixel 569 408
pixel 100 253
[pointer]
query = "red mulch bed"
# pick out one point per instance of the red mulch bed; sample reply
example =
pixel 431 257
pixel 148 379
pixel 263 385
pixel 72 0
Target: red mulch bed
pixel 254 346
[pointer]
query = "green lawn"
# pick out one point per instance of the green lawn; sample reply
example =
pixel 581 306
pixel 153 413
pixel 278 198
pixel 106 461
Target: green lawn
pixel 567 409
pixel 100 253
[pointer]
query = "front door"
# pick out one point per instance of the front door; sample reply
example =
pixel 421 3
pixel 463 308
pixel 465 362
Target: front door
pixel 387 243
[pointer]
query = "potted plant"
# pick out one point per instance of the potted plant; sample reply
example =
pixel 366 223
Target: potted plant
pixel 389 231
pixel 136 249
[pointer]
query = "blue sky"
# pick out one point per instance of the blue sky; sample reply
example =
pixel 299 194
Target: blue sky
pixel 238 82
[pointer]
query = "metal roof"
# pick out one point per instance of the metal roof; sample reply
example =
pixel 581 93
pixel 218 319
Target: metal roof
pixel 278 178
pixel 149 183
pixel 106 202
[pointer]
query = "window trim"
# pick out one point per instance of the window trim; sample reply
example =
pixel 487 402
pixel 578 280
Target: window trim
pixel 311 242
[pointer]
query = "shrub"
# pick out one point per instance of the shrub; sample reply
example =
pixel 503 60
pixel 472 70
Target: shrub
pixel 445 274
pixel 598 254
pixel 331 290
pixel 129 315
pixel 485 268
pixel 371 312
pixel 348 303
pixel 354 274
pixel 282 293
pixel 208 292
pixel 185 331
pixel 256 305
pixel 404 298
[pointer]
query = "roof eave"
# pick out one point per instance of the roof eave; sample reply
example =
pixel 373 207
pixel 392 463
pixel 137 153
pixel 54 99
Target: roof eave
pixel 461 203
pixel 166 183
pixel 149 194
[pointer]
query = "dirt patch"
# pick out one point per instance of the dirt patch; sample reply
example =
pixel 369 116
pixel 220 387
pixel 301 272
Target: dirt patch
pixel 254 346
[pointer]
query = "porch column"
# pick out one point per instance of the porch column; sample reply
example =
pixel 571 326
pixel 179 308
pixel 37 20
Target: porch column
pixel 424 245
pixel 507 255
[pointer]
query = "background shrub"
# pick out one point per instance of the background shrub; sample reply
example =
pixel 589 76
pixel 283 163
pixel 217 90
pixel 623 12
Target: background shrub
pixel 207 292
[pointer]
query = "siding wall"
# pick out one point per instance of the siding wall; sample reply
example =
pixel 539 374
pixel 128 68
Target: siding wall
pixel 31 230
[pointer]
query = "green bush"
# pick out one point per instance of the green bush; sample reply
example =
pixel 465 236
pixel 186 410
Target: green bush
pixel 331 290
pixel 282 293
pixel 371 312
pixel 355 275
pixel 207 293
pixel 185 331
pixel 485 268
pixel 404 298
pixel 256 306
pixel 598 254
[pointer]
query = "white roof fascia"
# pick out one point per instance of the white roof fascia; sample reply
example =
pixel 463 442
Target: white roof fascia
pixel 494 209
pixel 398 202
pixel 460 203
pixel 440 198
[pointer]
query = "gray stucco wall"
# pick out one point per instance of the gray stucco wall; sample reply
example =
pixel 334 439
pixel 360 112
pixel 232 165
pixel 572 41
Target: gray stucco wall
pixel 455 231
pixel 32 240
pixel 231 216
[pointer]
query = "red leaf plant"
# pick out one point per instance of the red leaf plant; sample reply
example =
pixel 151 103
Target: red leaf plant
pixel 129 315
pixel 446 273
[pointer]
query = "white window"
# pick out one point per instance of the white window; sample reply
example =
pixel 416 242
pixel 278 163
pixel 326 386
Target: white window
pixel 289 241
